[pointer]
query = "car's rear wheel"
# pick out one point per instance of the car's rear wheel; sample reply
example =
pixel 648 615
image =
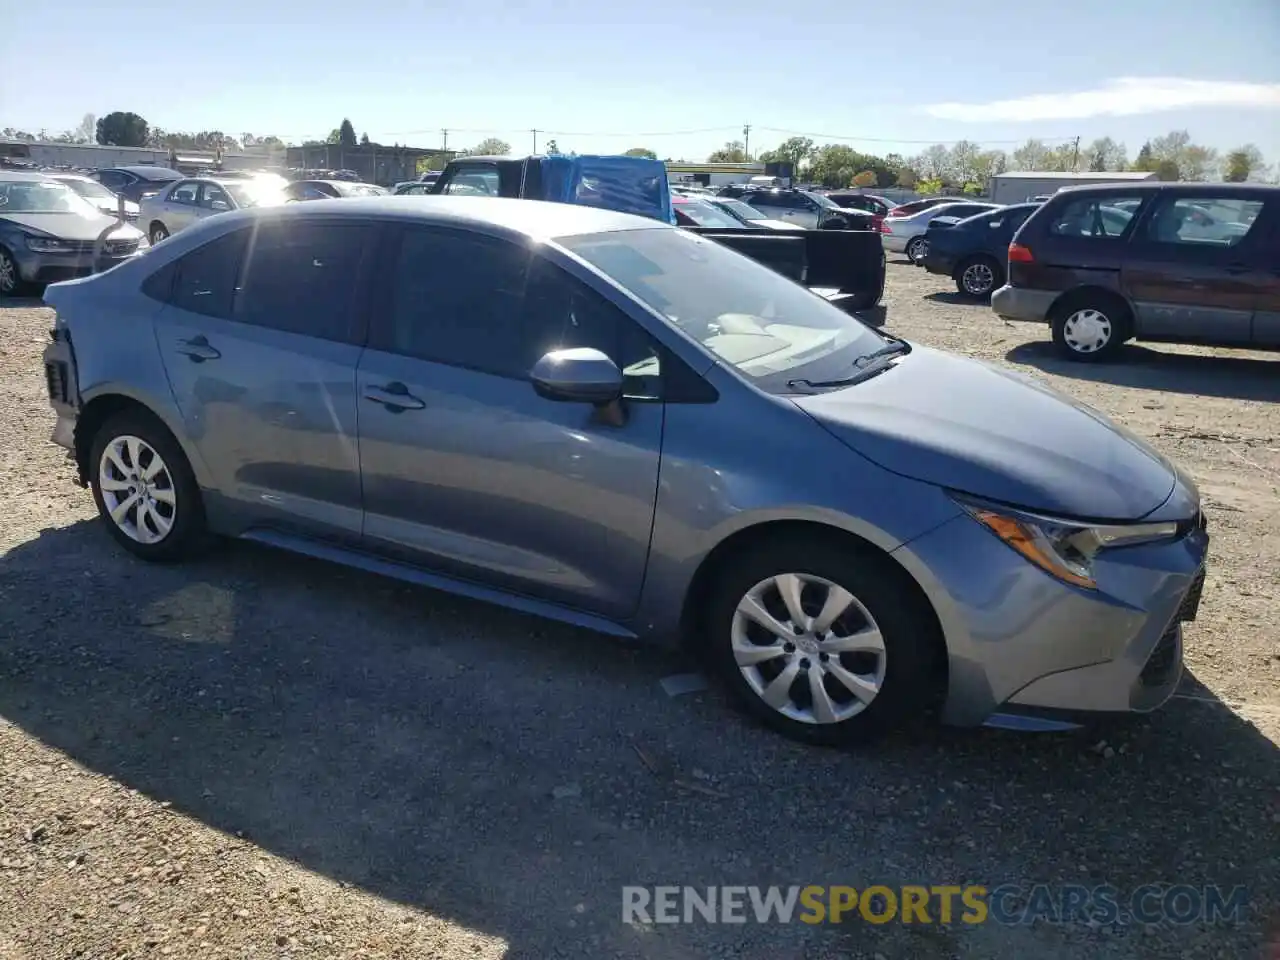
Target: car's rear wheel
pixel 1091 328
pixel 822 641
pixel 158 232
pixel 10 279
pixel 978 277
pixel 144 488
pixel 917 250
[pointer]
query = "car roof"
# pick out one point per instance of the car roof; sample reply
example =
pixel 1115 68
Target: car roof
pixel 144 170
pixel 534 219
pixel 1182 189
pixel 22 175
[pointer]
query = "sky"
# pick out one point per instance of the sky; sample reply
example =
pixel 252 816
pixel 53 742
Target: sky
pixel 680 79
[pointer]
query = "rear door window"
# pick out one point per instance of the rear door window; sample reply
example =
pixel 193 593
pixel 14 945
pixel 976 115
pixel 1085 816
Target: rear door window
pixel 184 192
pixel 1202 221
pixel 1098 218
pixel 203 281
pixel 474 180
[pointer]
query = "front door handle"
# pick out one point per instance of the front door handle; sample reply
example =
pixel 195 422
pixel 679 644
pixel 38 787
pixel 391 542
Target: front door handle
pixel 198 349
pixel 394 396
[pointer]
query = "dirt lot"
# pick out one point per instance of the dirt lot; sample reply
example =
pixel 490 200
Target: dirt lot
pixel 263 756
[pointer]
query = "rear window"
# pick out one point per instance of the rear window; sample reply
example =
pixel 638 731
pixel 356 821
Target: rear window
pixel 1095 217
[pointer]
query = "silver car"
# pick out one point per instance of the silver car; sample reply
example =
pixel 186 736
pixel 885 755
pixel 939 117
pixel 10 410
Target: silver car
pixel 616 423
pixel 184 202
pixel 907 234
pixel 109 203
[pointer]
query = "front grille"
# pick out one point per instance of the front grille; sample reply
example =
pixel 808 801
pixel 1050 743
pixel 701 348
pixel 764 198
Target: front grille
pixel 121 248
pixel 55 378
pixel 1163 660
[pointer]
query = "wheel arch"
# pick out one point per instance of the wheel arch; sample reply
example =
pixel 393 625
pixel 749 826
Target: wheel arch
pixel 1093 291
pixel 692 627
pixel 106 403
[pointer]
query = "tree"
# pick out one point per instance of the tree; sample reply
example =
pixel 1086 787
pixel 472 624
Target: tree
pixel 11 133
pixel 553 148
pixel 1105 154
pixel 732 152
pixel 1144 162
pixel 987 164
pixel 934 163
pixel 963 162
pixel 88 129
pixel 906 178
pixel 346 133
pixel 492 147
pixel 364 139
pixel 835 165
pixel 1032 155
pixel 795 151
pixel 1243 163
pixel 1198 163
pixel 865 179
pixel 641 152
pixel 122 129
pixel 928 187
pixel 1166 170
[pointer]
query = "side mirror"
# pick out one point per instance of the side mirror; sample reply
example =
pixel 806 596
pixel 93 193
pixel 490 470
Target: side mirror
pixel 577 375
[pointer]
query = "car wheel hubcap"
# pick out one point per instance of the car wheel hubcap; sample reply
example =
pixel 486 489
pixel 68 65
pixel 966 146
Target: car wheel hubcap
pixel 158 234
pixel 1087 331
pixel 920 249
pixel 137 489
pixel 978 278
pixel 8 276
pixel 808 648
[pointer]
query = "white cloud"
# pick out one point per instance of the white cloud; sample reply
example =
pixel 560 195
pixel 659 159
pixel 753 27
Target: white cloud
pixel 1120 97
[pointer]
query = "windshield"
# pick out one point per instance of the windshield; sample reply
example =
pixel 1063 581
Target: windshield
pixel 740 209
pixel 706 214
pixel 360 190
pixel 248 193
pixel 822 201
pixel 89 189
pixel 768 328
pixel 42 196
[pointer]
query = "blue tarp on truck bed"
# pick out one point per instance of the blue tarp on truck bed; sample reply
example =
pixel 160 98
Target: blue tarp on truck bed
pixel 627 184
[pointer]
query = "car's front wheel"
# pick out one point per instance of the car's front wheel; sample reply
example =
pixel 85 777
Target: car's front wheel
pixel 10 279
pixel 917 250
pixel 978 277
pixel 823 641
pixel 144 488
pixel 158 232
pixel 1090 328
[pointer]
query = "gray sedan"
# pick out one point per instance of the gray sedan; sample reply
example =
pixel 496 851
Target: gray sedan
pixel 185 202
pixel 615 423
pixel 908 234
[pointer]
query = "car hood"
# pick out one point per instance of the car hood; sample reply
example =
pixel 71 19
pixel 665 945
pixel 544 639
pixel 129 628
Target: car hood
pixel 64 226
pixel 978 429
pixel 110 207
pixel 775 225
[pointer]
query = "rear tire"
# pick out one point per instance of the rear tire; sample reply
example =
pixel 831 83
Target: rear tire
pixel 978 277
pixel 145 489
pixel 869 670
pixel 1091 327
pixel 158 233
pixel 917 250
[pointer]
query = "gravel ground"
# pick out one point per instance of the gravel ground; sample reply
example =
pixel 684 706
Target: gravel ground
pixel 264 756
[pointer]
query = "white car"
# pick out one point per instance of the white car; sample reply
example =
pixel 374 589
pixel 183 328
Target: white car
pixel 907 234
pixel 185 201
pixel 98 195
pixel 749 215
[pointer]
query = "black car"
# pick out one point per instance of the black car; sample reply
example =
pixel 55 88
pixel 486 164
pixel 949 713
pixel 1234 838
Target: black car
pixel 867 202
pixel 133 183
pixel 973 251
pixel 330 189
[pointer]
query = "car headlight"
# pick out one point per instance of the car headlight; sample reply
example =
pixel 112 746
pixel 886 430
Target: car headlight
pixel 49 245
pixel 1064 548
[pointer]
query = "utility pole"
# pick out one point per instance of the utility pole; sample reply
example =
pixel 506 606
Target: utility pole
pixel 1075 155
pixel 535 139
pixel 746 140
pixel 444 139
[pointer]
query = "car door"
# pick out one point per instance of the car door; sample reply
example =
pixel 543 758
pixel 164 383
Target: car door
pixel 178 208
pixel 1266 259
pixel 465 468
pixel 1194 276
pixel 260 336
pixel 212 199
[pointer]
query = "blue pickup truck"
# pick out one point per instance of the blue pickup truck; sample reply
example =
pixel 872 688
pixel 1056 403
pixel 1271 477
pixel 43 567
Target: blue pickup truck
pixel 845 266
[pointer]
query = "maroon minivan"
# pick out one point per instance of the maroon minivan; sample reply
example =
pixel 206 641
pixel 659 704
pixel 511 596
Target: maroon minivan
pixel 1174 262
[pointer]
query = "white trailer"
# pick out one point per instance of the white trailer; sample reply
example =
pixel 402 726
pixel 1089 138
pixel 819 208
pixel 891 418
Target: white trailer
pixel 1022 185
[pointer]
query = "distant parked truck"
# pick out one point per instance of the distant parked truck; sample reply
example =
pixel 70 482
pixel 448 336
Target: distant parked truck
pixel 1024 185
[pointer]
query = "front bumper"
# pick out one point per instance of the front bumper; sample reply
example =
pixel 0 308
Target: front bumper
pixel 895 243
pixel 45 268
pixel 1023 642
pixel 940 263
pixel 1019 303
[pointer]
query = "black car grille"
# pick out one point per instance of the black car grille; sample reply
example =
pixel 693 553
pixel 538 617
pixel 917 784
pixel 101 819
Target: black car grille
pixel 1163 660
pixel 55 378
pixel 121 248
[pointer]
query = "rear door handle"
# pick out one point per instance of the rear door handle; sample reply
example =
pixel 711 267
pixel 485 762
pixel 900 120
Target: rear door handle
pixel 198 349
pixel 394 396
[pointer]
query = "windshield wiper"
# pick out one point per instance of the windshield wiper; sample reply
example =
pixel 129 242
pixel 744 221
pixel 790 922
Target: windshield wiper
pixel 866 368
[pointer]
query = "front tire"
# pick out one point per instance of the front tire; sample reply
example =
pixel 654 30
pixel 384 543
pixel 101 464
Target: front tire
pixel 1091 328
pixel 827 643
pixel 158 233
pixel 10 278
pixel 145 490
pixel 978 277
pixel 917 250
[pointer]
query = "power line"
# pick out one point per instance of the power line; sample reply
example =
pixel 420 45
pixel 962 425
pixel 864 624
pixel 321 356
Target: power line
pixel 833 136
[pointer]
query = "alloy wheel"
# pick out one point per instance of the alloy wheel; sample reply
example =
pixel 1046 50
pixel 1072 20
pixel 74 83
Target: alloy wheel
pixel 158 234
pixel 978 279
pixel 8 274
pixel 1087 331
pixel 137 489
pixel 808 648
pixel 918 250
